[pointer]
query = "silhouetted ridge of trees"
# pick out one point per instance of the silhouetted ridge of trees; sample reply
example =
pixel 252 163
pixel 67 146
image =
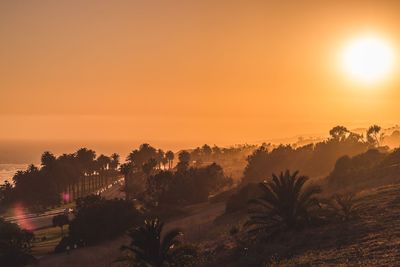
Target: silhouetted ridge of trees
pixel 373 167
pixel 315 159
pixel 61 179
pixel 149 173
pixel 187 185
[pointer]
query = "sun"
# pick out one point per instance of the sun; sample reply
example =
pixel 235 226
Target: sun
pixel 368 59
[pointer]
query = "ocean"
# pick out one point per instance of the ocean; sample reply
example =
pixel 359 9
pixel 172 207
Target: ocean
pixel 7 171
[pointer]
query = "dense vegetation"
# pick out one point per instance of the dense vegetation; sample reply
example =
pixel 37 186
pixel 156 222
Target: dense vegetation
pixel 370 168
pixel 61 179
pixel 15 245
pixel 187 185
pixel 317 160
pixel 98 219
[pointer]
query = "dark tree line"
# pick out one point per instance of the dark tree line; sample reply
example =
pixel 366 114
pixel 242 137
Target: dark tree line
pixel 61 179
pixel 207 154
pixel 149 174
pixel 315 159
pixel 372 167
pixel 142 163
pixel 187 185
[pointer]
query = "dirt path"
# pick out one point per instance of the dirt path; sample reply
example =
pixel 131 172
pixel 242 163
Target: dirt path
pixel 105 253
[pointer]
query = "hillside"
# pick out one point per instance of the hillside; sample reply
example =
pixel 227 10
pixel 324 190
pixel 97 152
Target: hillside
pixel 372 239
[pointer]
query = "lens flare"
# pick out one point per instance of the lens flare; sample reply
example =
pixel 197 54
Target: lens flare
pixel 19 214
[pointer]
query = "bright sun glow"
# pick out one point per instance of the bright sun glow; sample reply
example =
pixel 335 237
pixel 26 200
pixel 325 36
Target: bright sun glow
pixel 368 59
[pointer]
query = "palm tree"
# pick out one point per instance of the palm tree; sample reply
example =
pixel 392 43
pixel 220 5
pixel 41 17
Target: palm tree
pixel 285 203
pixel 126 169
pixel 149 166
pixel 114 161
pixel 47 159
pixel 102 166
pixel 170 156
pixel 164 161
pixel 184 160
pixel 85 158
pixel 151 249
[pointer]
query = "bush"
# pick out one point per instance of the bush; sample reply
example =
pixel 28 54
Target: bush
pixel 101 219
pixel 15 245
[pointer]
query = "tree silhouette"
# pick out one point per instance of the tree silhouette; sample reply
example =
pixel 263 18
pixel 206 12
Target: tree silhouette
pixel 97 219
pixel 206 151
pixel 284 204
pixel 149 166
pixel 48 159
pixel 127 170
pixel 316 159
pixel 15 245
pixel 159 158
pixel 184 159
pixel 140 156
pixel 170 156
pixel 151 249
pixel 338 132
pixel 164 161
pixel 114 161
pixel 373 135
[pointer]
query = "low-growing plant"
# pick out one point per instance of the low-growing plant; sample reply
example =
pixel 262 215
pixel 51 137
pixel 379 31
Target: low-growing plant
pixel 345 206
pixel 285 204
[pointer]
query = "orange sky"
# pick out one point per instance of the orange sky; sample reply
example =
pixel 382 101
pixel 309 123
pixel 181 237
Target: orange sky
pixel 201 71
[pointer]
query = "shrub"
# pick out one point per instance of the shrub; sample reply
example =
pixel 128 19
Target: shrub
pixel 345 207
pixel 102 219
pixel 15 245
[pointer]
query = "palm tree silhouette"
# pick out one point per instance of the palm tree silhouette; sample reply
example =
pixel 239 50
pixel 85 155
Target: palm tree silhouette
pixel 151 249
pixel 285 203
pixel 126 169
pixel 114 161
pixel 170 156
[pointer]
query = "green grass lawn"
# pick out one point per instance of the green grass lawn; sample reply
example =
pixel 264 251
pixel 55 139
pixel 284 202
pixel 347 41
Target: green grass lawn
pixel 46 239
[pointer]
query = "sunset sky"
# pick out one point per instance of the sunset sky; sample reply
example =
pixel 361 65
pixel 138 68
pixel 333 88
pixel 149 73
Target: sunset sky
pixel 220 72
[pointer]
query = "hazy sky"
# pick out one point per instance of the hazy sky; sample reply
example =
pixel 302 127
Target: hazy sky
pixel 200 71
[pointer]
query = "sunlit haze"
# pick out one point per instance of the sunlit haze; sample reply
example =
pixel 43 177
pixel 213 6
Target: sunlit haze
pixel 183 73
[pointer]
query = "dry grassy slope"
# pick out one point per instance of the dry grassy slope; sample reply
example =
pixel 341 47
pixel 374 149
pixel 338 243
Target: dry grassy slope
pixel 199 218
pixel 371 240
